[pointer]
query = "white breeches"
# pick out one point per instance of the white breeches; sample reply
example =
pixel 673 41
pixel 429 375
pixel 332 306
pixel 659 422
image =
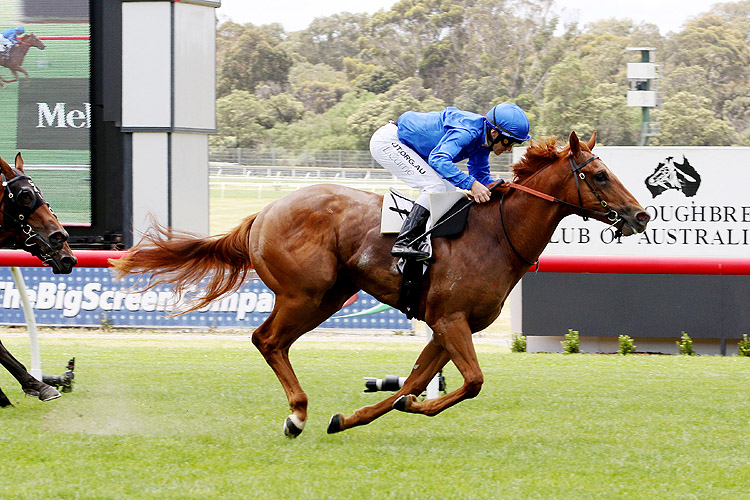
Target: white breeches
pixel 403 162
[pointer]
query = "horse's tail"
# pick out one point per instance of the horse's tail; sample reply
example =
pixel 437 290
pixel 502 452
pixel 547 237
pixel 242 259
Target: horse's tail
pixel 183 260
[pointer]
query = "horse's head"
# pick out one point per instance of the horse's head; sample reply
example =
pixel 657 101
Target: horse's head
pixel 581 182
pixel 32 40
pixel 599 192
pixel 28 223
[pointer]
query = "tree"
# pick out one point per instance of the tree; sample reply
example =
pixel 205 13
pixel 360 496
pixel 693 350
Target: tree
pixel 714 45
pixel 736 14
pixel 376 79
pixel 407 95
pixel 329 40
pixel 243 121
pixel 324 131
pixel 692 79
pixel 566 93
pixel 737 113
pixel 512 40
pixel 616 123
pixel 687 120
pixel 318 86
pixel 253 58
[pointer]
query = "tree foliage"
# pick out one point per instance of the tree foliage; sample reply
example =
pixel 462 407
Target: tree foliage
pixel 331 85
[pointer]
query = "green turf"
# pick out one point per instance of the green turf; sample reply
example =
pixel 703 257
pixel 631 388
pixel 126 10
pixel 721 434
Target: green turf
pixel 194 418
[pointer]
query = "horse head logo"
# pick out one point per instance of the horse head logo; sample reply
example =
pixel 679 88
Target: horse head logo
pixel 672 175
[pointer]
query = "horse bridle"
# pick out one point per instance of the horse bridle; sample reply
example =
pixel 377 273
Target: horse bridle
pixel 611 215
pixel 16 213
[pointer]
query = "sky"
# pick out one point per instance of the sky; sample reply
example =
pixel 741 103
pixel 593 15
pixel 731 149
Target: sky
pixel 295 15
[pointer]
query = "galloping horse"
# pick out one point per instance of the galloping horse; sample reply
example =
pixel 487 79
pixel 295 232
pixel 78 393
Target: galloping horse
pixel 17 53
pixel 26 222
pixel 316 247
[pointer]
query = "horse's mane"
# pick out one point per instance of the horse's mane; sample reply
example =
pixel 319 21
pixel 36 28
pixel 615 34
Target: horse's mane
pixel 539 154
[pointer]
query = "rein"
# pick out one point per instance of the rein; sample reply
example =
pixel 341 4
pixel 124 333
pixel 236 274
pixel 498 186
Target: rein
pixel 611 215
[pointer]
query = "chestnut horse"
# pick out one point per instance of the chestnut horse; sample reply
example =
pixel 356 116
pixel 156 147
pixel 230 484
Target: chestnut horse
pixel 316 247
pixel 17 53
pixel 26 222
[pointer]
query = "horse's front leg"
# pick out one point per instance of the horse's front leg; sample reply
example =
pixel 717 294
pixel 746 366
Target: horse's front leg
pixel 29 384
pixel 430 361
pixel 455 336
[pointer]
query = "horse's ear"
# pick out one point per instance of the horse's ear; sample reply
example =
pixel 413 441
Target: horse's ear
pixel 6 168
pixel 575 145
pixel 592 141
pixel 19 162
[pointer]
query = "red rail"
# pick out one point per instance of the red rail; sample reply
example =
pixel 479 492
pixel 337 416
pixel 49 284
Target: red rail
pixel 86 258
pixel 643 265
pixel 547 264
pixel 76 37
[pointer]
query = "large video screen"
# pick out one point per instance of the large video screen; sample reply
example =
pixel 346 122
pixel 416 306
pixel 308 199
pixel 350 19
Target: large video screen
pixel 45 111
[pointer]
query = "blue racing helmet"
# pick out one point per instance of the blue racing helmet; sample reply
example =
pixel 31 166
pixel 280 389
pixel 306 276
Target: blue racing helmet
pixel 20 29
pixel 510 120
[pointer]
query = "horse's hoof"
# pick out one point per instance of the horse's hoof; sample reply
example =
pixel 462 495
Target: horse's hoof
pixel 48 393
pixel 293 426
pixel 401 403
pixel 334 425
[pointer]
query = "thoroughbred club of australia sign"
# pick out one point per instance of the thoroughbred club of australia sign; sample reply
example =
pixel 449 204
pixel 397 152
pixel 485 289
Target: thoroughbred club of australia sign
pixel 696 197
pixel 54 113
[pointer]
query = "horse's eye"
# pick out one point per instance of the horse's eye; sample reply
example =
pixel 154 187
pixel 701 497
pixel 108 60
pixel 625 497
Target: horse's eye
pixel 26 198
pixel 600 176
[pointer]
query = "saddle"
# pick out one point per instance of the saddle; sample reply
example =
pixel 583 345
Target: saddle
pixel 448 215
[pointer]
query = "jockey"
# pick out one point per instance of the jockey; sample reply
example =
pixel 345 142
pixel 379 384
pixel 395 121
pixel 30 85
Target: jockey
pixel 421 149
pixel 9 38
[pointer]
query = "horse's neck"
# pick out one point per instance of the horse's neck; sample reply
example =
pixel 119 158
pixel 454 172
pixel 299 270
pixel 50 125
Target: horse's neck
pixel 530 221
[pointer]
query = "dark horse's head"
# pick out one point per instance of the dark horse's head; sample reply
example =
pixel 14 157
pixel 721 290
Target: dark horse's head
pixel 27 223
pixel 590 189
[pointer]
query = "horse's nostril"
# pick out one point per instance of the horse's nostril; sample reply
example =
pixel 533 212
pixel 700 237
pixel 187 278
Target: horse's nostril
pixel 643 217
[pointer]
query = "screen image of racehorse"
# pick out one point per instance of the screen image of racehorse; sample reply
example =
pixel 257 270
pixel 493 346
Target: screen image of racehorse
pixel 318 246
pixel 14 59
pixel 28 223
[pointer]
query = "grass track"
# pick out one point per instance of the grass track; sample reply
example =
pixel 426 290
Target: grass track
pixel 189 419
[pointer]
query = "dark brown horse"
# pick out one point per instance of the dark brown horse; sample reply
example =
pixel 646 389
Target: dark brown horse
pixel 316 247
pixel 17 54
pixel 26 222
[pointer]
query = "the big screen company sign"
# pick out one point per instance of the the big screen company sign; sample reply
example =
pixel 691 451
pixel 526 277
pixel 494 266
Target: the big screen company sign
pixel 697 199
pixel 89 297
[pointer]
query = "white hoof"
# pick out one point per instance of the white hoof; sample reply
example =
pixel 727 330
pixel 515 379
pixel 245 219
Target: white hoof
pixel 293 426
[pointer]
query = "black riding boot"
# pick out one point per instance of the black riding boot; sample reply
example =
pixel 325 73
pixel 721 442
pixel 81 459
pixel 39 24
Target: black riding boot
pixel 414 225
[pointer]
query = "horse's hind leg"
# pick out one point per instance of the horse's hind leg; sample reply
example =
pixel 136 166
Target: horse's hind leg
pixel 29 384
pixel 289 320
pixel 4 401
pixel 430 361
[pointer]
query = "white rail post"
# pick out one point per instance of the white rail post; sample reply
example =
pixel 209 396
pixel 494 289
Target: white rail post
pixel 28 313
